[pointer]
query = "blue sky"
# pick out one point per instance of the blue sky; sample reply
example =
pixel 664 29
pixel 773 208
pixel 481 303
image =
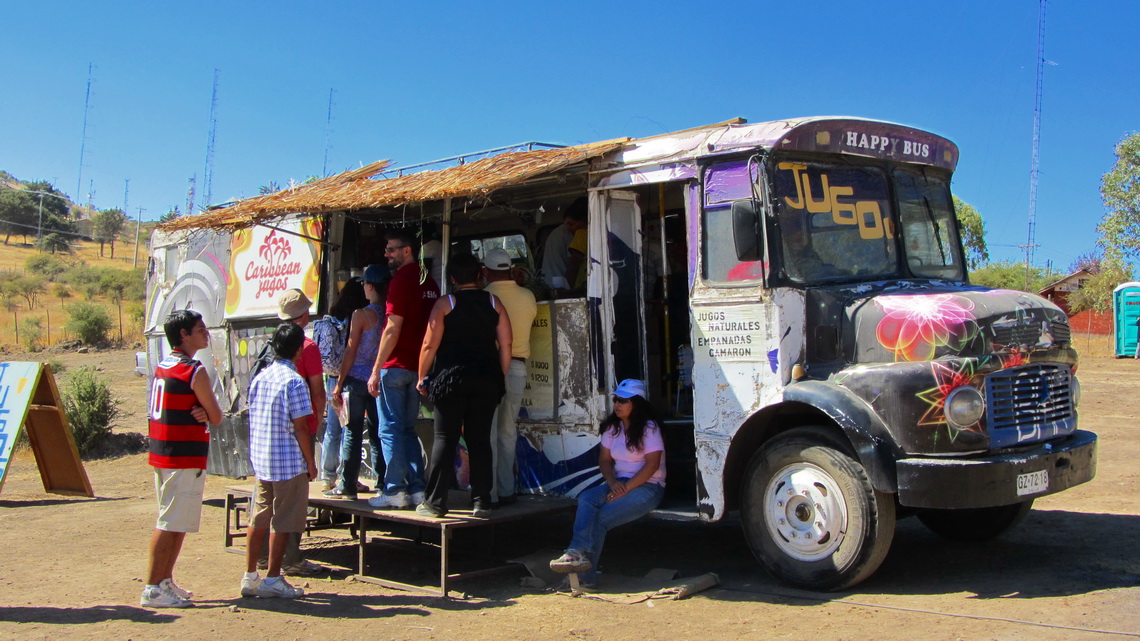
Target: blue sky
pixel 414 82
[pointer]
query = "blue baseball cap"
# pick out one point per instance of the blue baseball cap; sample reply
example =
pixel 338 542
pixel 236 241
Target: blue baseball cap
pixel 629 388
pixel 377 274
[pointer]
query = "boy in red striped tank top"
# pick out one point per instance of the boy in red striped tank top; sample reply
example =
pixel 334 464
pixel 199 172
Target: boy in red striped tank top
pixel 181 403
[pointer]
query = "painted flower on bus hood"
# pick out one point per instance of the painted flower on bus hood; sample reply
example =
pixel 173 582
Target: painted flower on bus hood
pixel 914 327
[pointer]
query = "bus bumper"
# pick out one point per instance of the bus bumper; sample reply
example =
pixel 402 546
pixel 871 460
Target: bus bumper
pixel 1000 479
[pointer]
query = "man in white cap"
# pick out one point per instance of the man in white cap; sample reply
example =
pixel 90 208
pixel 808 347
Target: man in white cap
pixel 293 305
pixel 521 308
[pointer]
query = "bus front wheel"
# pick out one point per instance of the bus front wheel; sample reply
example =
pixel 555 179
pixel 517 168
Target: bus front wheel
pixel 810 513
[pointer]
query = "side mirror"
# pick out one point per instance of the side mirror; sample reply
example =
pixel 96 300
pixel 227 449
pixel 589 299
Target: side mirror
pixel 746 230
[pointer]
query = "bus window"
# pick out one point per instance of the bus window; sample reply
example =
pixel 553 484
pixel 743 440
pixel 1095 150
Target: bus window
pixel 834 222
pixel 927 214
pixel 515 244
pixel 719 257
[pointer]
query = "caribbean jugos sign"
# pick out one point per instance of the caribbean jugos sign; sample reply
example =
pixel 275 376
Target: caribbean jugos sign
pixel 265 261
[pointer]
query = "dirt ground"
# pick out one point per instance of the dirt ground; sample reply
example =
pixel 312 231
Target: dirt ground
pixel 74 567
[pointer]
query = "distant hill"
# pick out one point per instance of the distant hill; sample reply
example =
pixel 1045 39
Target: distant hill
pixel 82 214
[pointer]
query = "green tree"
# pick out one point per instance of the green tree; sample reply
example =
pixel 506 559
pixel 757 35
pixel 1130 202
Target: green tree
pixel 973 230
pixel 122 285
pixel 55 243
pixel 17 213
pixel 1095 294
pixel 1120 190
pixel 56 203
pixel 30 287
pixel 106 227
pixel 170 215
pixel 1011 275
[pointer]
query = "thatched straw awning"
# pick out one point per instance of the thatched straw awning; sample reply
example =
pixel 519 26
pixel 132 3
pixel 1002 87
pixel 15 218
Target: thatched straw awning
pixel 354 190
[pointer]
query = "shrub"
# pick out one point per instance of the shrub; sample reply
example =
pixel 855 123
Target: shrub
pixel 82 274
pixel 57 366
pixel 90 408
pixel 89 321
pixel 136 311
pixel 32 333
pixel 46 265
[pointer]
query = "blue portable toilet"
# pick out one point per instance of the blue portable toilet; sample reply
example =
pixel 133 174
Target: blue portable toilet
pixel 1126 317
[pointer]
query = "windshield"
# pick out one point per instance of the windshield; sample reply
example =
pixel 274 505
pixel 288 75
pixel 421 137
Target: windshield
pixel 927 214
pixel 834 222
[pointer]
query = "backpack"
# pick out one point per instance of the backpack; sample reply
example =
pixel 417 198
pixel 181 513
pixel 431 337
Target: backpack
pixel 264 359
pixel 331 336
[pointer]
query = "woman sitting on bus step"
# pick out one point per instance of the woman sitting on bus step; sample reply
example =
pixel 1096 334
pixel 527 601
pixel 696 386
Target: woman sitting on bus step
pixel 632 462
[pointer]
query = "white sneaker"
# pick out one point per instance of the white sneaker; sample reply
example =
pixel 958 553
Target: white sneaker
pixel 572 561
pixel 170 586
pixel 280 590
pixel 159 598
pixel 249 585
pixel 397 500
pixel 416 498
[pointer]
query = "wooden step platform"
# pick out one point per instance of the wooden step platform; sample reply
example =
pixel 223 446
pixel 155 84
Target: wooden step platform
pixel 526 507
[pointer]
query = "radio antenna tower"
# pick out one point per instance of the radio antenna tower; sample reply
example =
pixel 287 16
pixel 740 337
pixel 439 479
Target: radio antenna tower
pixel 190 195
pixel 328 130
pixel 83 136
pixel 208 172
pixel 1034 171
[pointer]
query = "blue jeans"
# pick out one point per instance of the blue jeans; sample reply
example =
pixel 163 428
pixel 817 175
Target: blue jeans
pixel 399 407
pixel 595 517
pixel 334 432
pixel 360 405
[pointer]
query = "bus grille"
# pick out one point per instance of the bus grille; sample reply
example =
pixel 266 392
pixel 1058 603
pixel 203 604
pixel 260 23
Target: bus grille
pixel 1028 404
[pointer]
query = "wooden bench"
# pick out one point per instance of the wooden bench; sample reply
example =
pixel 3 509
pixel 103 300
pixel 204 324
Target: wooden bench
pixel 527 507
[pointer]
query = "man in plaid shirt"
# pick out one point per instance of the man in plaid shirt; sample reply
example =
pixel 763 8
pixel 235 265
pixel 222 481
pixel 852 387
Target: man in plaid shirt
pixel 281 451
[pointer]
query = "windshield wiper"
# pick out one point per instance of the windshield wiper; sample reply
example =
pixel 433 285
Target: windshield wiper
pixel 934 226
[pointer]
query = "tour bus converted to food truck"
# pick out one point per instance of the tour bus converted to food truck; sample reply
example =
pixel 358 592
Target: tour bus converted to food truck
pixel 794 293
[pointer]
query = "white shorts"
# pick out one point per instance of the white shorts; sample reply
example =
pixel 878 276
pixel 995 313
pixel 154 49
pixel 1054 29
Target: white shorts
pixel 179 495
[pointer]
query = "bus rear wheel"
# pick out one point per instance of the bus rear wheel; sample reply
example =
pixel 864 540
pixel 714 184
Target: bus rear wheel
pixel 980 524
pixel 810 513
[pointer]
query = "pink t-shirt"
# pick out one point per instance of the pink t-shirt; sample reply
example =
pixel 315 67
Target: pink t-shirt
pixel 628 463
pixel 308 364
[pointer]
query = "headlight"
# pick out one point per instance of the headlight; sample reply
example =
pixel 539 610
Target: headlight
pixel 964 407
pixel 1075 392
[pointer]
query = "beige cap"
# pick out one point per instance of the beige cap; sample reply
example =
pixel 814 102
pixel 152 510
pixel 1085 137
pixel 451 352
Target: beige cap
pixel 293 303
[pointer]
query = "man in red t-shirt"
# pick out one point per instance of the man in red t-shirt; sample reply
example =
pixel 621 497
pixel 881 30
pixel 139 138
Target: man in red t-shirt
pixel 411 295
pixel 293 305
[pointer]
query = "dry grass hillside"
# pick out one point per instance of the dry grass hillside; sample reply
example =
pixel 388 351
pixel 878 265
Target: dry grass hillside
pixel 50 309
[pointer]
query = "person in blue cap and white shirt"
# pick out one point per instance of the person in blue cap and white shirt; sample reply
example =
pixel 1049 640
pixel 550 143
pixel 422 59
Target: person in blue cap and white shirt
pixel 632 463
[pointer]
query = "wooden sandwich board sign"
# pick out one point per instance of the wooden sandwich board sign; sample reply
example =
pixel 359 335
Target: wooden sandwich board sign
pixel 29 399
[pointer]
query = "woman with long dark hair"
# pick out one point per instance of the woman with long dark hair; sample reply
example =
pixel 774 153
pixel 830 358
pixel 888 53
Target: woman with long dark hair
pixel 632 463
